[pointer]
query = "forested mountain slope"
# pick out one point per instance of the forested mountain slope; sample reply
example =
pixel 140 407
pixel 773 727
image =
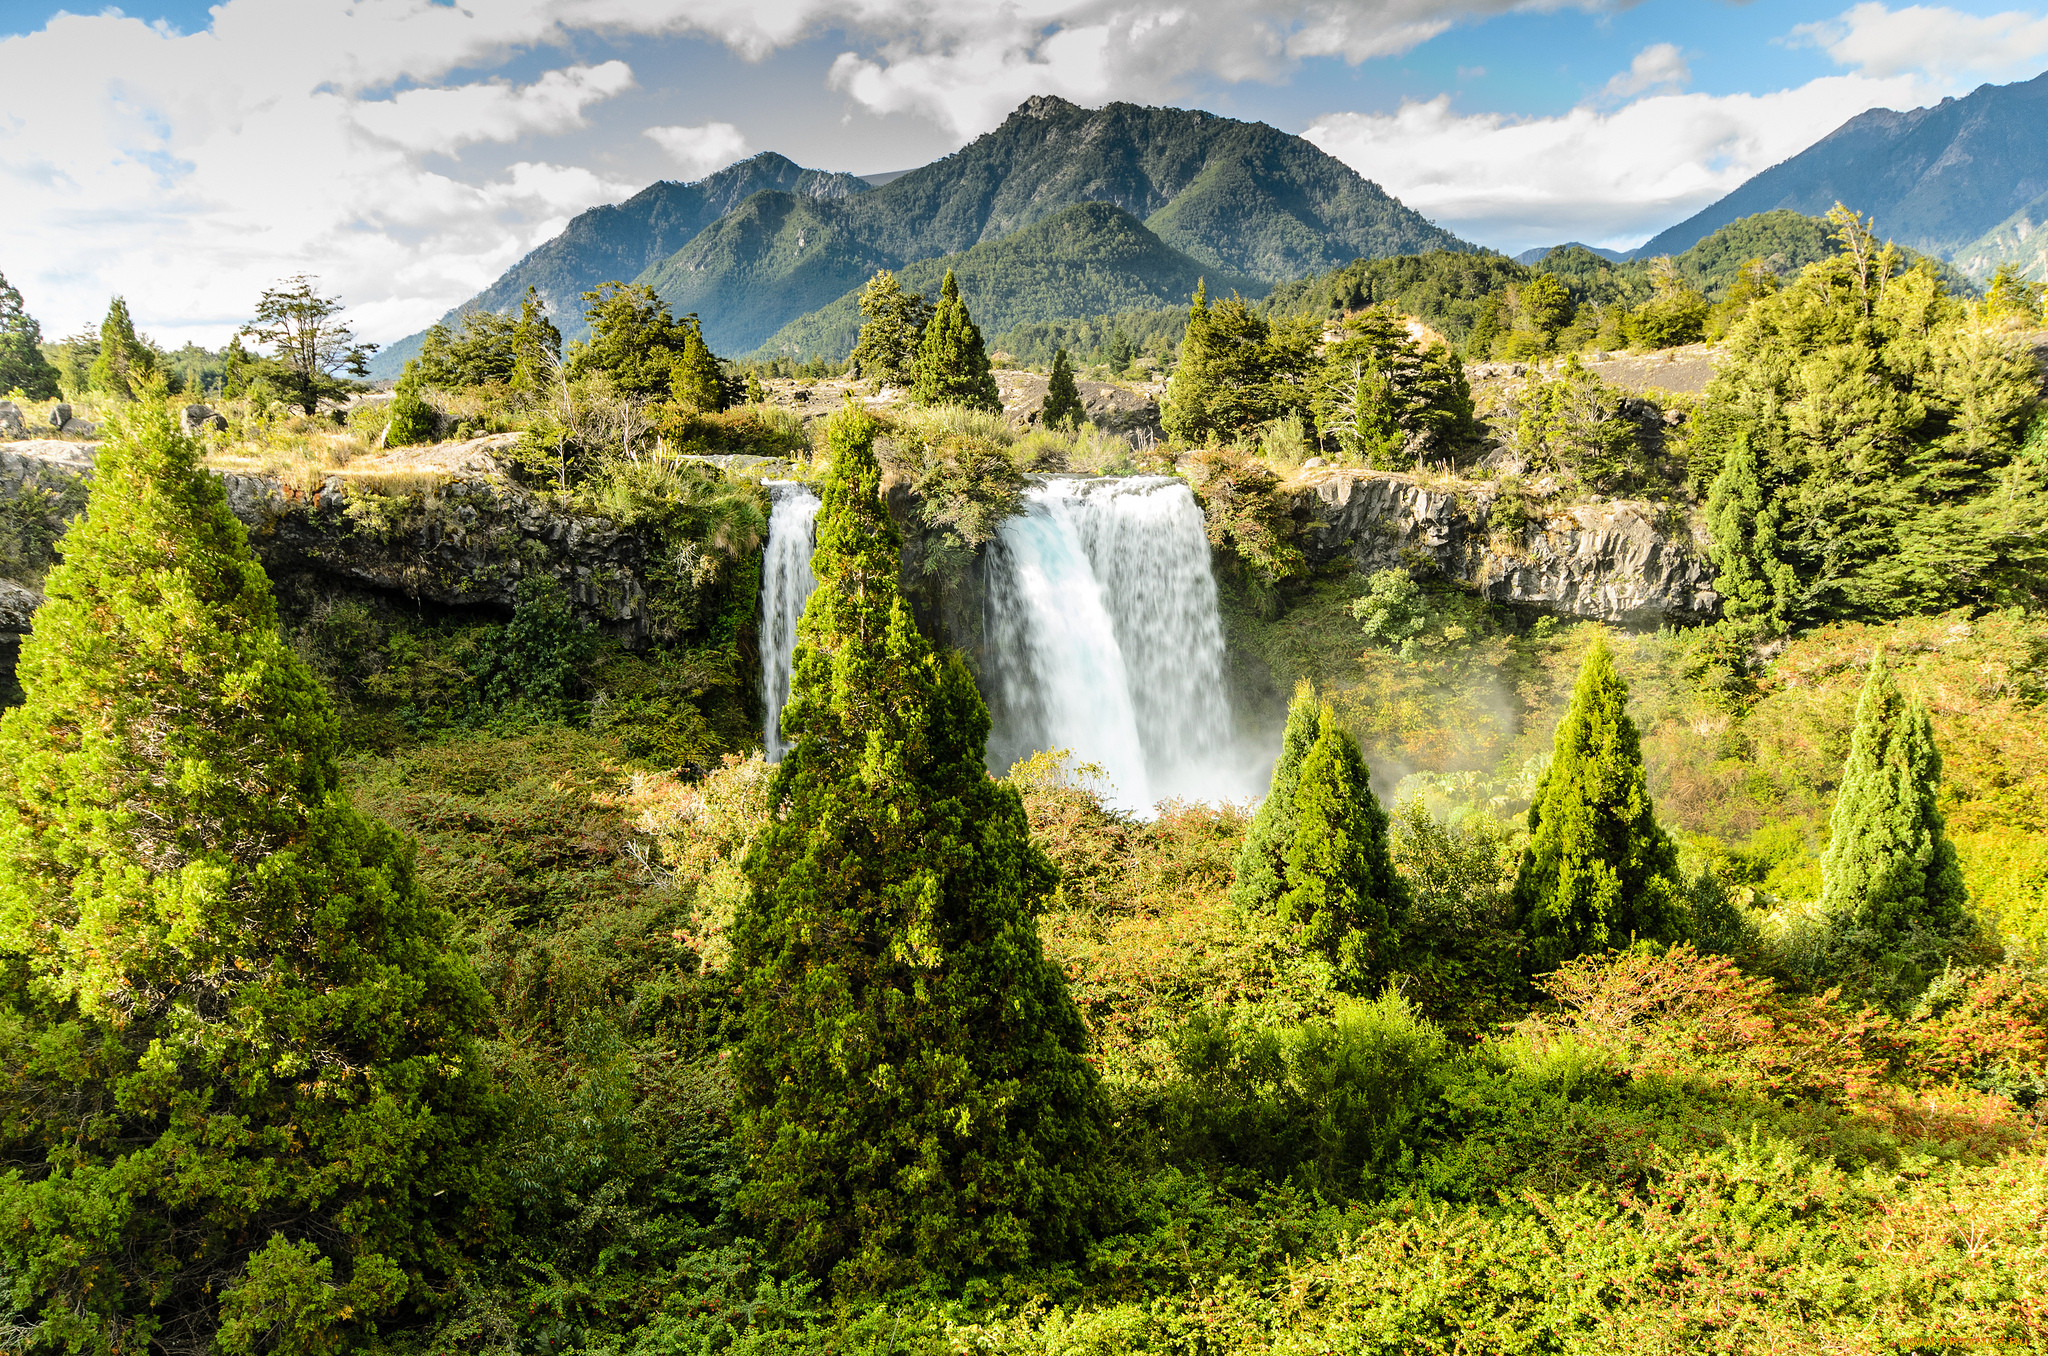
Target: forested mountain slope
pixel 621 239
pixel 1093 255
pixel 1237 197
pixel 1935 178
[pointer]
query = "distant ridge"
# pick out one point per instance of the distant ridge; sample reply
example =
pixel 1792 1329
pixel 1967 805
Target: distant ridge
pixel 621 240
pixel 1937 179
pixel 1531 257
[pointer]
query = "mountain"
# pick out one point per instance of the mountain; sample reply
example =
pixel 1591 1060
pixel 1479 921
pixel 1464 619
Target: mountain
pixel 621 240
pixel 1092 258
pixel 1537 255
pixel 1238 198
pixel 2020 240
pixel 1936 179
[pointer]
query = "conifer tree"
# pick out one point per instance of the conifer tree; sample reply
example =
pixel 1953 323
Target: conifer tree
pixel 1341 886
pixel 22 364
pixel 1598 870
pixel 1890 871
pixel 241 1090
pixel 1754 581
pixel 892 326
pixel 695 378
pixel 124 361
pixel 536 347
pixel 1062 408
pixel 912 1096
pixel 412 418
pixel 1261 867
pixel 952 363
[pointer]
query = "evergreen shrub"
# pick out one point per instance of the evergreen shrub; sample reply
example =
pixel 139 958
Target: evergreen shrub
pixel 912 1097
pixel 242 1087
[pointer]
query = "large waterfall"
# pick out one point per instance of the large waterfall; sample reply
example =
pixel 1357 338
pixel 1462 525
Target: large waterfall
pixel 786 584
pixel 1101 634
pixel 1103 638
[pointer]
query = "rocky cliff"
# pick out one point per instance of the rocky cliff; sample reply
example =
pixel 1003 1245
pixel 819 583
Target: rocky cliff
pixel 439 525
pixel 1612 560
pixel 444 526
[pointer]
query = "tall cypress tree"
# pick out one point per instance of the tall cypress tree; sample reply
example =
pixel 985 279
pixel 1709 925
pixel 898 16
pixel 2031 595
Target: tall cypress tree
pixel 695 380
pixel 1062 408
pixel 1890 871
pixel 1261 866
pixel 952 362
pixel 1598 869
pixel 124 361
pixel 913 1098
pixel 1755 582
pixel 240 1087
pixel 1341 886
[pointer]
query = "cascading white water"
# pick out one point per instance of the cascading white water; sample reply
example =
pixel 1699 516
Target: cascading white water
pixel 1103 638
pixel 786 584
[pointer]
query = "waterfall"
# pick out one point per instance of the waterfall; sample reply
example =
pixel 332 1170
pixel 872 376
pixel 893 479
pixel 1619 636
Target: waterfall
pixel 1103 638
pixel 786 584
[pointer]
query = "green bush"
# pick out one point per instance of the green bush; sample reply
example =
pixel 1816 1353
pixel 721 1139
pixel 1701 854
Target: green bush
pixel 1333 1105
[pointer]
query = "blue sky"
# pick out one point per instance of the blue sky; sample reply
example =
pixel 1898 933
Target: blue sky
pixel 406 151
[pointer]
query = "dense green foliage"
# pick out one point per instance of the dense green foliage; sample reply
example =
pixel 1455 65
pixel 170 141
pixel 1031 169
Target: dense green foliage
pixel 23 367
pixel 640 347
pixel 412 418
pixel 1237 370
pixel 1891 430
pixel 242 1091
pixel 123 361
pixel 1062 406
pixel 892 322
pixel 1890 879
pixel 952 361
pixel 1341 887
pixel 1091 339
pixel 1259 875
pixel 1386 402
pixel 1754 580
pixel 1090 258
pixel 1598 870
pixel 912 1095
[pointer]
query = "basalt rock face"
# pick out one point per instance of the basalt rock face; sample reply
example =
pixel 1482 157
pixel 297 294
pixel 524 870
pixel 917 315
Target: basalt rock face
pixel 1613 560
pixel 441 526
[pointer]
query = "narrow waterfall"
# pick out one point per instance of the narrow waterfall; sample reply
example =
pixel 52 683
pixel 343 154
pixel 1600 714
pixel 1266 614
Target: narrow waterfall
pixel 786 584
pixel 1103 638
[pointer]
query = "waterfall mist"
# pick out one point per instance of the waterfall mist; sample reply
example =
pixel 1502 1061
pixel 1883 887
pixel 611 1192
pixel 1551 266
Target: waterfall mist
pixel 786 584
pixel 1103 637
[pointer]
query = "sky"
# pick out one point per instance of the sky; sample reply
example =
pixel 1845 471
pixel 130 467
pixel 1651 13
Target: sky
pixel 406 152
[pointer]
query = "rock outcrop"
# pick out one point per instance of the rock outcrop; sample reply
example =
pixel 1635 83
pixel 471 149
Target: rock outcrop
pixel 440 525
pixel 1611 560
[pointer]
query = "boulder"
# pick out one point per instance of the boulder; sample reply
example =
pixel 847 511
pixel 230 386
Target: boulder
pixel 79 428
pixel 12 425
pixel 199 418
pixel 60 415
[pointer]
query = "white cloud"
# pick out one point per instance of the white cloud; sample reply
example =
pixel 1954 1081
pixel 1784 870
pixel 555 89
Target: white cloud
pixel 1607 177
pixel 1660 66
pixel 444 119
pixel 188 171
pixel 700 150
pixel 968 65
pixel 1933 39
